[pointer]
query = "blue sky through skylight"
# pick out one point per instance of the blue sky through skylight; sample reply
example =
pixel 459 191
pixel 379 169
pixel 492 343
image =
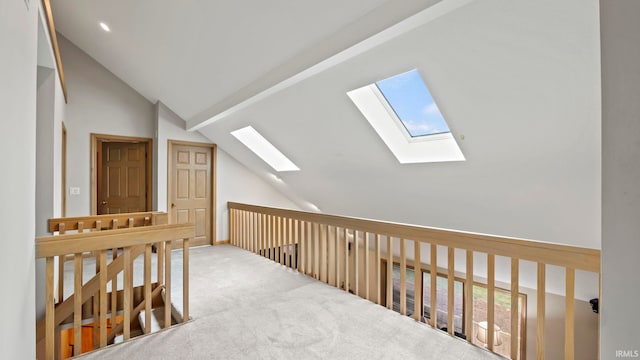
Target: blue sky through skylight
pixel 412 102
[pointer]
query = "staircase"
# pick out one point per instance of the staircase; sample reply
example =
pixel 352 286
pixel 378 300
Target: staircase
pixel 94 315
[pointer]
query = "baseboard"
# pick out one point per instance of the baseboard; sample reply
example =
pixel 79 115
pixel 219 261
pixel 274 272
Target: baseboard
pixel 222 242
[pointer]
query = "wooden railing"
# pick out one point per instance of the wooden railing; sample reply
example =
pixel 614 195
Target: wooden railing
pixel 329 247
pixel 127 236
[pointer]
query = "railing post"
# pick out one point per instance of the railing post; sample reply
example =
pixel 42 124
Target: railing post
pixel 185 280
pixel 515 289
pixel 541 311
pixel 50 326
pixel 167 284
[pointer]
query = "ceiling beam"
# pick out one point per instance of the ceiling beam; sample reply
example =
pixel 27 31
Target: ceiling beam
pixel 386 22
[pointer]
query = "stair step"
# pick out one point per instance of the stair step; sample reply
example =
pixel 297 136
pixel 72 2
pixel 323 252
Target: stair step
pixel 176 306
pixel 157 319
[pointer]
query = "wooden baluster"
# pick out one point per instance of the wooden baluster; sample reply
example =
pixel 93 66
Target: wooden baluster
pixel 515 289
pixel 128 287
pixel 253 225
pixel 263 234
pixel 102 255
pixel 50 326
pixel 541 293
pixel 160 261
pixel 389 272
pixel 283 236
pixel 346 260
pixel 289 242
pixel 323 253
pixel 99 304
pixel 569 314
pixel 299 246
pixel 276 239
pixel 468 304
pixel 147 288
pixel 336 254
pixel 185 279
pixel 243 230
pixel 491 285
pixel 131 223
pixel 403 277
pixel 279 237
pixel 167 284
pixel 316 251
pixel 61 261
pixel 356 261
pixel 434 285
pixel 302 248
pixel 310 249
pixel 231 229
pixel 292 239
pixel 367 294
pixel 267 235
pixel 285 240
pixel 114 282
pixel 77 304
pixel 377 267
pixel 450 287
pixel 417 281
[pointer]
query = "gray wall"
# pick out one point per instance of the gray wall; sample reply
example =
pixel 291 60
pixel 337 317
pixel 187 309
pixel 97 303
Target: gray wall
pixel 18 41
pixel 620 43
pixel 100 103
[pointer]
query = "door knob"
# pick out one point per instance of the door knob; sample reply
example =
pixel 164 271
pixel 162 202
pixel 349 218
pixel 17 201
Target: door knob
pixel 104 202
pixel 173 205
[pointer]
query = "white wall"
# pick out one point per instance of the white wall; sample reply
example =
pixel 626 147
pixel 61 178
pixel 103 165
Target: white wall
pixel 18 41
pixel 620 38
pixel 169 126
pixel 100 103
pixel 234 181
pixel 237 183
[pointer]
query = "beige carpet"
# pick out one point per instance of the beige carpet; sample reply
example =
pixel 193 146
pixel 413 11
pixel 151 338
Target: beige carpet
pixel 247 307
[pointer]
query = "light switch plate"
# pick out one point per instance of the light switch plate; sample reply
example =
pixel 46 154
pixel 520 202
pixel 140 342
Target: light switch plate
pixel 74 190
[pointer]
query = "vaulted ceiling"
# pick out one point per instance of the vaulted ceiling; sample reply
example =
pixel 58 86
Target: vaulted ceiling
pixel 517 81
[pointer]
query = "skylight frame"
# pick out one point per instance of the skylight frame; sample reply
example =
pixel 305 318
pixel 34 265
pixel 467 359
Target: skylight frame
pixel 378 112
pixel 264 149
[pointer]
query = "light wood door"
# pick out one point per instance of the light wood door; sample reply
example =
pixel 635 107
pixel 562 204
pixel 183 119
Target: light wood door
pixel 123 178
pixel 191 189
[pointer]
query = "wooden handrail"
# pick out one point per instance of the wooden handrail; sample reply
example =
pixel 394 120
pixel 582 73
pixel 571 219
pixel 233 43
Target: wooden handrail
pixel 538 251
pixel 303 241
pixel 105 240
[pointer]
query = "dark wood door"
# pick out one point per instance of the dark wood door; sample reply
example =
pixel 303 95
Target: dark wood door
pixel 123 178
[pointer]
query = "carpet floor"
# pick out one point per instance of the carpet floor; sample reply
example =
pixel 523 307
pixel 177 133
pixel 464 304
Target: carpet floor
pixel 244 306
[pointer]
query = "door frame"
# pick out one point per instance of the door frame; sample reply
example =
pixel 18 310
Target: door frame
pixel 63 171
pixel 214 162
pixel 96 164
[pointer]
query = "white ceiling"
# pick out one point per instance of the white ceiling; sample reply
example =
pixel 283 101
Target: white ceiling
pixel 193 54
pixel 520 80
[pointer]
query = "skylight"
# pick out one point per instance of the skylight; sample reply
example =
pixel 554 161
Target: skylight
pixel 264 149
pixel 405 116
pixel 412 102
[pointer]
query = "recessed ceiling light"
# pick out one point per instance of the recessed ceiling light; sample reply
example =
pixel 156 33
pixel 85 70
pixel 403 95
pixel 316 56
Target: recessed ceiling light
pixel 105 27
pixel 264 149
